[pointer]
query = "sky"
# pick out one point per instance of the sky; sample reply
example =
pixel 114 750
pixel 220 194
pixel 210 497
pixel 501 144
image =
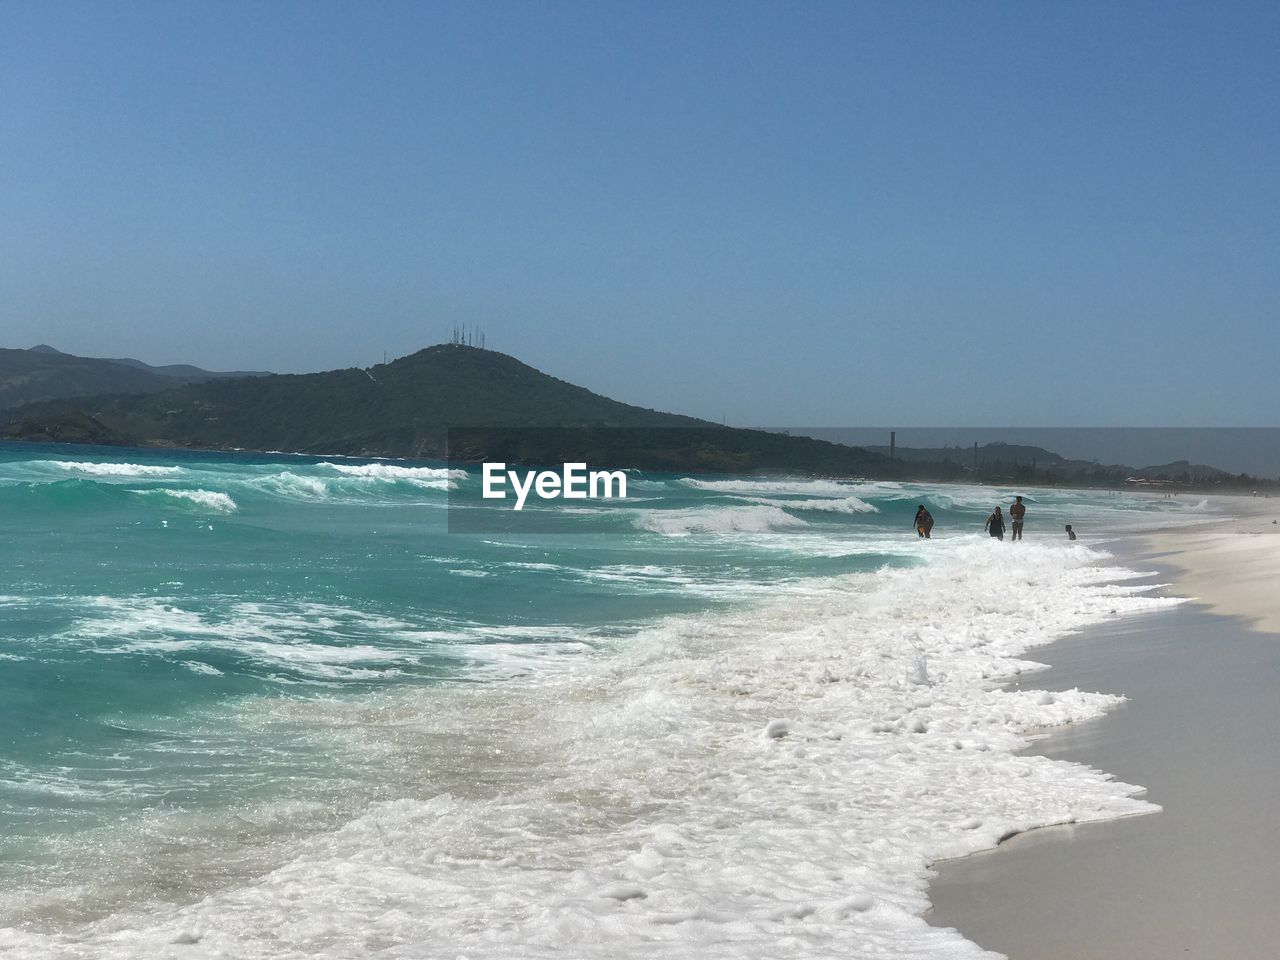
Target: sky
pixel 943 214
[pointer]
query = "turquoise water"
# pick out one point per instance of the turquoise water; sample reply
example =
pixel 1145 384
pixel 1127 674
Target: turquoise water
pixel 202 656
pixel 146 592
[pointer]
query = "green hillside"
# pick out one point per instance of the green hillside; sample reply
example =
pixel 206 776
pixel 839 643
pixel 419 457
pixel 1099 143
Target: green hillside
pixel 44 374
pixel 31 376
pixel 405 409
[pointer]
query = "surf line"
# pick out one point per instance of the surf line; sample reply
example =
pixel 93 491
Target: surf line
pixel 573 482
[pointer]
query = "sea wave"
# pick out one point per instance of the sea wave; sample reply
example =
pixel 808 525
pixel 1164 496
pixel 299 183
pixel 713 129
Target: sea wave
pixel 283 642
pixel 209 499
pixel 682 523
pixel 437 477
pixel 347 487
pixel 811 488
pixel 720 781
pixel 842 505
pixel 93 469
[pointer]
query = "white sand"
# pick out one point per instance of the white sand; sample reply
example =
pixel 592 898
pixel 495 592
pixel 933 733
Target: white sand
pixel 1202 877
pixel 1232 567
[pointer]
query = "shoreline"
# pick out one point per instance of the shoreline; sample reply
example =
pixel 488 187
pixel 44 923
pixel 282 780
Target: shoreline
pixel 1198 878
pixel 1189 490
pixel 1228 569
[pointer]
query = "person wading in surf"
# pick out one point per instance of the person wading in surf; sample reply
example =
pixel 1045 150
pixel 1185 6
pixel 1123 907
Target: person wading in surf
pixel 924 522
pixel 1016 512
pixel 995 524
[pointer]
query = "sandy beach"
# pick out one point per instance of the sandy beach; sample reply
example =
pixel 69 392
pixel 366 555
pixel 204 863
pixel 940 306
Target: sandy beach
pixel 1200 878
pixel 1231 568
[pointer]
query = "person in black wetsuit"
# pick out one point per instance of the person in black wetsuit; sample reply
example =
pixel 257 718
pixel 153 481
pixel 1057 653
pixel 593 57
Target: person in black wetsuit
pixel 995 524
pixel 1071 534
pixel 923 522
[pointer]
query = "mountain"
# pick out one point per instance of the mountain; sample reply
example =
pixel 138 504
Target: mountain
pixel 502 409
pixel 481 405
pixel 185 371
pixel 1003 462
pixel 27 377
pixel 43 373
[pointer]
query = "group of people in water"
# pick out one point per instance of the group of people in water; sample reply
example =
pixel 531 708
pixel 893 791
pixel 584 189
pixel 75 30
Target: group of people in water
pixel 994 524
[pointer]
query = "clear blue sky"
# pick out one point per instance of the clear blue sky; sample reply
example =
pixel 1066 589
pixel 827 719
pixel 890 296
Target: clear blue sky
pixel 782 213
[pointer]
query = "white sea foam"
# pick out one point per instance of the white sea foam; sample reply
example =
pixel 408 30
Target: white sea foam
pixel 210 499
pixel 357 486
pixel 812 488
pixel 109 469
pixel 682 523
pixel 436 478
pixel 199 666
pixel 771 783
pixel 17 777
pixel 294 486
pixel 650 579
pixel 313 642
pixel 273 637
pixel 842 505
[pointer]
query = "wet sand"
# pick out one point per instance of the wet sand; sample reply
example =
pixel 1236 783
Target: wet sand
pixel 1201 732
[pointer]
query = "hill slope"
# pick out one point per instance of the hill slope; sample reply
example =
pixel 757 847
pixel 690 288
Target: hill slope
pixel 43 373
pixel 28 376
pixel 995 461
pixel 405 408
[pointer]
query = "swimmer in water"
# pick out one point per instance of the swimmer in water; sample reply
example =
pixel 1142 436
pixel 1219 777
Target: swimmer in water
pixel 995 524
pixel 924 523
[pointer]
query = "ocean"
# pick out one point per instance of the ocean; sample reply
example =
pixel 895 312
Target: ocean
pixel 266 706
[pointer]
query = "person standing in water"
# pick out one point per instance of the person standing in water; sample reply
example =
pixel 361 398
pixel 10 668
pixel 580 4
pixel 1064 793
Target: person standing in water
pixel 995 524
pixel 924 522
pixel 1016 512
pixel 1071 534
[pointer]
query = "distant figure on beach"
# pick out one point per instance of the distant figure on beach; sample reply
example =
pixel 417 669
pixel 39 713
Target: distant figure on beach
pixel 924 522
pixel 1016 512
pixel 1071 534
pixel 995 524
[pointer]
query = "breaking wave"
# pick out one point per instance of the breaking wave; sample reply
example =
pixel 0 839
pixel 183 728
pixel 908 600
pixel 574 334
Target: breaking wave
pixel 682 523
pixel 842 505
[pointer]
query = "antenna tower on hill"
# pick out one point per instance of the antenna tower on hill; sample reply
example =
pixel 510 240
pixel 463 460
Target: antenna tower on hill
pixel 467 336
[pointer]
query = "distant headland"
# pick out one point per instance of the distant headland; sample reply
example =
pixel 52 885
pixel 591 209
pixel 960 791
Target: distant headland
pixel 460 401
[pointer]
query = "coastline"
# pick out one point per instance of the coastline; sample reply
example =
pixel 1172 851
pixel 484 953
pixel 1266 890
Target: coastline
pixel 1230 568
pixel 1200 877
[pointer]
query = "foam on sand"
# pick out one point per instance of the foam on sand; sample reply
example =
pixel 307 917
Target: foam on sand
pixel 1232 565
pixel 770 783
